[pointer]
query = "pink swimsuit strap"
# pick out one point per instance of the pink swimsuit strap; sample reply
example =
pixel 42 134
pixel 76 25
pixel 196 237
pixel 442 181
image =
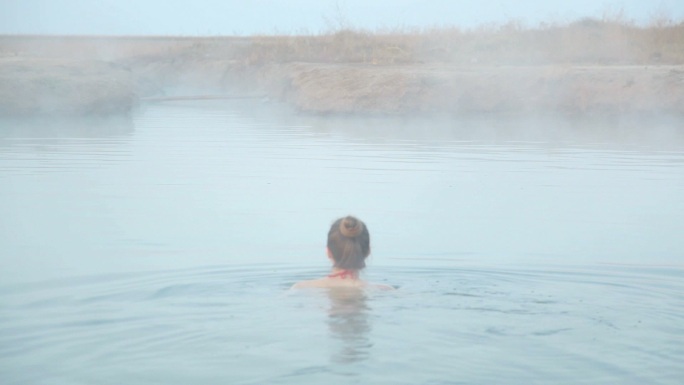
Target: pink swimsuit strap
pixel 344 274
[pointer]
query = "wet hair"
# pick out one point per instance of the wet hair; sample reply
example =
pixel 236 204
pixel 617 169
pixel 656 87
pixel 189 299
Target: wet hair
pixel 349 243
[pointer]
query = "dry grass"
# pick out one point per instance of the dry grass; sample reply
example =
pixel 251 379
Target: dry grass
pixel 585 42
pixel 580 66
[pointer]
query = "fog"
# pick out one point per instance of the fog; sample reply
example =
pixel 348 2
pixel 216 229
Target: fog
pixel 216 17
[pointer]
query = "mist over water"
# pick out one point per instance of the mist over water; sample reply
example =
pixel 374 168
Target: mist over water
pixel 195 178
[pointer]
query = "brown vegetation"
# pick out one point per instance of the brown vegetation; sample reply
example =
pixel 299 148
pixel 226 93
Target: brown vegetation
pixel 588 65
pixel 585 42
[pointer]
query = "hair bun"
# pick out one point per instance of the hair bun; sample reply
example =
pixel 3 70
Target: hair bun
pixel 351 227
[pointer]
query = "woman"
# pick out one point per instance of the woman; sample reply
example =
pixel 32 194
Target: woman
pixel 348 247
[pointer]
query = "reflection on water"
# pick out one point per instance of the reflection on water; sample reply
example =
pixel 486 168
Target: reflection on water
pixel 48 128
pixel 37 145
pixel 161 248
pixel 662 133
pixel 348 320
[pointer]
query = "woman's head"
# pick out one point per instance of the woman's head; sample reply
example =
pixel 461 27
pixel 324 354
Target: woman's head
pixel 349 243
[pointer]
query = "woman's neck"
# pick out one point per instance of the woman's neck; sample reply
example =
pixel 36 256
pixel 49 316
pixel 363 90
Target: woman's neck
pixel 343 273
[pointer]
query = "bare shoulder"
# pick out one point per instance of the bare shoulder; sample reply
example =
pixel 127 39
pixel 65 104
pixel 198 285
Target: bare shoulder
pixel 309 283
pixel 327 283
pixel 379 286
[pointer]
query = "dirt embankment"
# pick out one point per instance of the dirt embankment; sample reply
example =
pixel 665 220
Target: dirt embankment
pixel 40 86
pixel 444 88
pixel 601 68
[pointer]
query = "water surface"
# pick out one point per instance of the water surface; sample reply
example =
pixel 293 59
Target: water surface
pixel 160 249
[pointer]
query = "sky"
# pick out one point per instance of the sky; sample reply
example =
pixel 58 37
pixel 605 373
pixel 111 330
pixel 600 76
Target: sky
pixel 247 17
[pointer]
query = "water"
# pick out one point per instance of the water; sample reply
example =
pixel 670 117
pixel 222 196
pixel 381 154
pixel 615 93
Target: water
pixel 160 249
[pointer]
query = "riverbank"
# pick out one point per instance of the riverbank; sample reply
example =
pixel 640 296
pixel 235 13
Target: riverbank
pixel 48 86
pixel 587 67
pixel 483 89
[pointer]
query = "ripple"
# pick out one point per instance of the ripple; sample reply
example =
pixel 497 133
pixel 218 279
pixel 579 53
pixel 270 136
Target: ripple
pixel 118 321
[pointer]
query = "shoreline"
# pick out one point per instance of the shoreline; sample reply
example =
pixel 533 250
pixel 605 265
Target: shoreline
pixel 345 73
